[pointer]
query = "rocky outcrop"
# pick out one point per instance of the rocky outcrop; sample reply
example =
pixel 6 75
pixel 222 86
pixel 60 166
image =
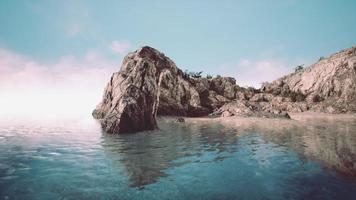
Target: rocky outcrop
pixel 149 83
pixel 326 86
pixel 249 109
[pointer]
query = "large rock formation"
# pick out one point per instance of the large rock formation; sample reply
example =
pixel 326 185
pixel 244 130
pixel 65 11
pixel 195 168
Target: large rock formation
pixel 326 86
pixel 149 83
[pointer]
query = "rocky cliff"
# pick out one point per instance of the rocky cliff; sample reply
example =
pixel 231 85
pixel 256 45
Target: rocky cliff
pixel 149 83
pixel 326 86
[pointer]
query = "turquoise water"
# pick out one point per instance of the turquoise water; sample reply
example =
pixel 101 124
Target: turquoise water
pixel 201 160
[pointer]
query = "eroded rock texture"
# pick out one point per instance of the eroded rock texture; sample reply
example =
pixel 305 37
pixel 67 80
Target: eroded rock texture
pixel 149 83
pixel 326 86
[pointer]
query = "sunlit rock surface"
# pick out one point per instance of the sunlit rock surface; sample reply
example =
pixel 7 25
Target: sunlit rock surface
pixel 327 86
pixel 149 83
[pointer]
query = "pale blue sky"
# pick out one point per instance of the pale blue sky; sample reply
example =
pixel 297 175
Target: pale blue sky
pixel 226 37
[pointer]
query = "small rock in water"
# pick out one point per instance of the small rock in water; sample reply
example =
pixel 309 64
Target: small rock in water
pixel 180 120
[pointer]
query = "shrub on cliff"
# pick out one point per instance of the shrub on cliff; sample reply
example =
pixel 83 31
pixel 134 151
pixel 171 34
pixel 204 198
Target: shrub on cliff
pixel 299 68
pixel 192 74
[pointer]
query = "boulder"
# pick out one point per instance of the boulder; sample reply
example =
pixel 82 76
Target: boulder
pixel 180 120
pixel 262 97
pixel 214 100
pixel 224 86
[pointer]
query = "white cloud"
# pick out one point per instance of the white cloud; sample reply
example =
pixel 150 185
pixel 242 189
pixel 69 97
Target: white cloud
pixel 120 47
pixel 253 72
pixel 68 88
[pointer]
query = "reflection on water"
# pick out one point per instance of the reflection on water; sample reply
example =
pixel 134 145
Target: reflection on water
pixel 199 159
pixel 330 143
pixel 147 155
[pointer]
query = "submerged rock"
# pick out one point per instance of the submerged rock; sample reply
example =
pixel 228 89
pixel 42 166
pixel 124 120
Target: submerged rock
pixel 180 120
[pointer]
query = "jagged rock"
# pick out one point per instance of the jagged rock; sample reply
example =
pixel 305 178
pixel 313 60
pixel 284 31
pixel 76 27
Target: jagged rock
pixel 284 104
pixel 202 85
pixel 248 109
pixel 240 95
pixel 180 120
pixel 260 97
pixel 226 113
pixel 314 98
pixel 132 96
pixel 328 85
pixel 249 92
pixel 214 100
pixel 149 83
pixel 224 86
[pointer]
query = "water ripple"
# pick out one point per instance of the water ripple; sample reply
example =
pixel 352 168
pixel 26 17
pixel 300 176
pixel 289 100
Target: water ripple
pixel 185 161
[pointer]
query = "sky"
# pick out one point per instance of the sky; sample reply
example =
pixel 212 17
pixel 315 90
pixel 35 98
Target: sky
pixel 65 51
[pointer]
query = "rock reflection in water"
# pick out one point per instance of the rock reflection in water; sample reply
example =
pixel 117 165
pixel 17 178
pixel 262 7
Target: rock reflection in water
pixel 330 141
pixel 147 155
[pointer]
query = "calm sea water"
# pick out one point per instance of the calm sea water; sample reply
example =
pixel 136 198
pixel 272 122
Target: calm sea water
pixel 201 160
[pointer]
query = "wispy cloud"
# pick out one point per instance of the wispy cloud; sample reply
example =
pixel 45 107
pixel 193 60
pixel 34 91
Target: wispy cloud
pixel 250 72
pixel 120 47
pixel 253 73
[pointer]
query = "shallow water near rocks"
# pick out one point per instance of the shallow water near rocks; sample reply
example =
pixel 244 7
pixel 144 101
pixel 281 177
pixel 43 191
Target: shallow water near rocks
pixel 192 160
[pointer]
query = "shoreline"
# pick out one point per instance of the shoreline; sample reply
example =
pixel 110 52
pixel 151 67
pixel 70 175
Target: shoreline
pixel 293 116
pixel 303 120
pixel 302 116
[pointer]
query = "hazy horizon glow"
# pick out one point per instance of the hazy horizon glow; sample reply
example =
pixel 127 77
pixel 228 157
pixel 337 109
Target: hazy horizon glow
pixel 70 87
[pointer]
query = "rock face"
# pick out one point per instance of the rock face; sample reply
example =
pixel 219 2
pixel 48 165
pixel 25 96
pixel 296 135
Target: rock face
pixel 149 83
pixel 249 109
pixel 326 86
